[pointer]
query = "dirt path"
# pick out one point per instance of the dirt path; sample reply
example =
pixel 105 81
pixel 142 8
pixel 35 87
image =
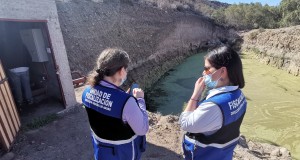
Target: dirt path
pixel 68 137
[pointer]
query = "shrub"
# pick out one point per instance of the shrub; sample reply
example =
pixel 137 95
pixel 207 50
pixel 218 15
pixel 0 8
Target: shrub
pixel 253 35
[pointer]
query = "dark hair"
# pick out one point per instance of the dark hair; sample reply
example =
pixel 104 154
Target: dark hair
pixel 226 57
pixel 109 62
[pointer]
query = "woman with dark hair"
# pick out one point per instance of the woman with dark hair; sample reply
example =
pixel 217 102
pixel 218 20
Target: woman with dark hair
pixel 118 120
pixel 213 124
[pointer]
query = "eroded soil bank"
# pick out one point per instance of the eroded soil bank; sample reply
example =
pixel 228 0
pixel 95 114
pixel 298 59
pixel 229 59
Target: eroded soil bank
pixel 276 47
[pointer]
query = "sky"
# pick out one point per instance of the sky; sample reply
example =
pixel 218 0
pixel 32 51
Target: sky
pixel 263 2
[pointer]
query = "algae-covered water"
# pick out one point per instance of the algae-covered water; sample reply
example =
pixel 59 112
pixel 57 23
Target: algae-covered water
pixel 273 95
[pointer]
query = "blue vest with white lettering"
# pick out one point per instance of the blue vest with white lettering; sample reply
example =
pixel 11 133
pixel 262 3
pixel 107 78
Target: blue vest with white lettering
pixel 105 106
pixel 112 138
pixel 220 145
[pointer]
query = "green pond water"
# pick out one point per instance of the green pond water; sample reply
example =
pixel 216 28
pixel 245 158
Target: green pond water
pixel 273 95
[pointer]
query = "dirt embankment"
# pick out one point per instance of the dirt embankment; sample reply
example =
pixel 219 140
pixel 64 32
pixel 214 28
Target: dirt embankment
pixel 276 47
pixel 165 132
pixel 156 39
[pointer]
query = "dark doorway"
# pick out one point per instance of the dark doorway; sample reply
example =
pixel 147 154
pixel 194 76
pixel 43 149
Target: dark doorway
pixel 28 61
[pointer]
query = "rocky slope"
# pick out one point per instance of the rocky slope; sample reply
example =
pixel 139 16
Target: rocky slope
pixel 156 39
pixel 166 133
pixel 276 47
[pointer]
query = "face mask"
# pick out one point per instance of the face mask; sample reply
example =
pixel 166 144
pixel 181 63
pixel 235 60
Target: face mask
pixel 123 80
pixel 209 82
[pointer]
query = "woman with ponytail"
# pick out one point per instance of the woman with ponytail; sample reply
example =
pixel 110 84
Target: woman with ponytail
pixel 118 120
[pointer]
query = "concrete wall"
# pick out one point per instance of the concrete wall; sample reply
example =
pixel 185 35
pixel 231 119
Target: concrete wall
pixel 44 10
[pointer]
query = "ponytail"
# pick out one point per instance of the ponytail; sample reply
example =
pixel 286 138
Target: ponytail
pixel 109 62
pixel 95 78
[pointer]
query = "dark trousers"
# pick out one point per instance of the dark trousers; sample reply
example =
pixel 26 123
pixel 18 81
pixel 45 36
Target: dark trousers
pixel 21 86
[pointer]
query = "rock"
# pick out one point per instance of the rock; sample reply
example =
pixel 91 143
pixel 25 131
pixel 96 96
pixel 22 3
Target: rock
pixel 172 119
pixel 275 152
pixel 8 156
pixel 243 142
pixel 250 145
pixel 166 127
pixel 284 152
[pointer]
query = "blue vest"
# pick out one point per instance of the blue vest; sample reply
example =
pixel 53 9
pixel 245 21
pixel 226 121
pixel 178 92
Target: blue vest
pixel 105 100
pixel 112 138
pixel 104 107
pixel 220 145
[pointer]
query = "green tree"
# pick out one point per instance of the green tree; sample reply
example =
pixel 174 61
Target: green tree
pixel 248 16
pixel 290 10
pixel 235 16
pixel 219 16
pixel 273 16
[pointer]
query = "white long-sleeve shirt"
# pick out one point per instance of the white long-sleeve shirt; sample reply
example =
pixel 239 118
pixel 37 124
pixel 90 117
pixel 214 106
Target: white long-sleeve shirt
pixel 207 118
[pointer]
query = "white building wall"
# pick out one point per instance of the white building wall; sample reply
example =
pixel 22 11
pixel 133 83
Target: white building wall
pixel 44 10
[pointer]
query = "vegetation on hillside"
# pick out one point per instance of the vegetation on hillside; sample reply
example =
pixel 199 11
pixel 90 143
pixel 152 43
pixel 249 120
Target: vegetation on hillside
pixel 248 16
pixel 290 10
pixel 203 7
pixel 240 16
pixel 255 15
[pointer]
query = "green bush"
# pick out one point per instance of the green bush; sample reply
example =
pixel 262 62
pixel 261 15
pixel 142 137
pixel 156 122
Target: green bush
pixel 253 35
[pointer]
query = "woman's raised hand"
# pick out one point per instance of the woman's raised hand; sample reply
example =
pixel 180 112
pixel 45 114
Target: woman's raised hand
pixel 199 88
pixel 138 93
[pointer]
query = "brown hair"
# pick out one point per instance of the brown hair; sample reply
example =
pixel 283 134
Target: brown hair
pixel 109 62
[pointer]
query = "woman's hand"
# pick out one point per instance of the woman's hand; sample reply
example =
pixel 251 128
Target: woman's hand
pixel 128 90
pixel 198 89
pixel 138 93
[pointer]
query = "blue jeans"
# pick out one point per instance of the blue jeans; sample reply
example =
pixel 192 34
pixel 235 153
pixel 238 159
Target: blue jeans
pixel 21 86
